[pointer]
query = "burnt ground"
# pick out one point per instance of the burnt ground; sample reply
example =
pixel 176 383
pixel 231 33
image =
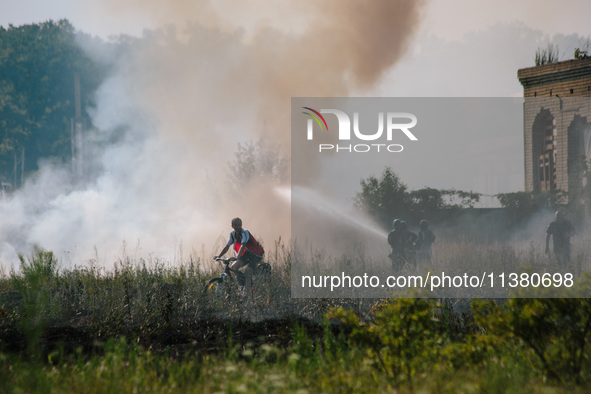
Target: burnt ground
pixel 208 332
pixel 211 336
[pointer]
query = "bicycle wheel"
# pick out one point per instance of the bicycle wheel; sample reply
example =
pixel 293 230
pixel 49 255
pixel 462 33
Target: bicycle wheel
pixel 214 286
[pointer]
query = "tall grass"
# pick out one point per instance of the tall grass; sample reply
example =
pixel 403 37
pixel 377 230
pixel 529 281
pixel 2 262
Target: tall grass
pixel 143 299
pixel 149 326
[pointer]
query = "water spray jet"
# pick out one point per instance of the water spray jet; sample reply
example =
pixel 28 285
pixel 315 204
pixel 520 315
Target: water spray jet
pixel 310 199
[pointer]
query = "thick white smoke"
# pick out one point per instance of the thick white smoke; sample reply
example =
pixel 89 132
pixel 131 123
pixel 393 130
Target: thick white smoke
pixel 169 119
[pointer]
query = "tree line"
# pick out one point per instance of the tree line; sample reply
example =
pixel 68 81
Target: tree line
pixel 386 197
pixel 38 63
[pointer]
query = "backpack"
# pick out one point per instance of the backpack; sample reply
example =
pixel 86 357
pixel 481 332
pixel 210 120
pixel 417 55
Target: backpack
pixel 252 245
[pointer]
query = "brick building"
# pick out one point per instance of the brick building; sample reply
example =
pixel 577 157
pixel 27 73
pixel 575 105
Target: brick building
pixel 557 123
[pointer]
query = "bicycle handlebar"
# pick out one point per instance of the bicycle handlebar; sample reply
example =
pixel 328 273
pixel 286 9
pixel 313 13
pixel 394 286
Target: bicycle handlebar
pixel 226 261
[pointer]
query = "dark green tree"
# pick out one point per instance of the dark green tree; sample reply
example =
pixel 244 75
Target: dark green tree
pixel 37 67
pixel 521 206
pixel 384 198
pixel 426 203
pixel 387 198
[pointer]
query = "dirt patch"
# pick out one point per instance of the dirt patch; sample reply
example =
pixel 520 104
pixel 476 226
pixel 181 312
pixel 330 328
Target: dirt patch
pixel 202 336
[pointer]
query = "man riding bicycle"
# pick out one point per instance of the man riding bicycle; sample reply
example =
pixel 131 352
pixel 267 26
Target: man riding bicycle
pixel 248 251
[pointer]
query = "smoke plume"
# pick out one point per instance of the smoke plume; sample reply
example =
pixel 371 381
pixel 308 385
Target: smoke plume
pixel 170 116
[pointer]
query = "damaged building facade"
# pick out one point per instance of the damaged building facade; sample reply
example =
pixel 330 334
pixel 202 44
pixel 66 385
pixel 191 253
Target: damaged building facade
pixel 557 124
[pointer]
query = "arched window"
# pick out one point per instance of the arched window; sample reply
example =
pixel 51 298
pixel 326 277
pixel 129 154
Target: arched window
pixel 579 150
pixel 544 149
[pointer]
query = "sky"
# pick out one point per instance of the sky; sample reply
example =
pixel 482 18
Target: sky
pixel 209 74
pixel 450 20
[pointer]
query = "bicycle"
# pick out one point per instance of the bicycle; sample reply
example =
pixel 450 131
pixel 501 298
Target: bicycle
pixel 231 281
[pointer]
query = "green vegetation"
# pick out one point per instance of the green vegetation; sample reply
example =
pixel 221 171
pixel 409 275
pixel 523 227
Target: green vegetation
pixel 546 55
pixel 144 326
pixel 37 67
pixel 148 326
pixel 520 206
pixel 582 52
pixel 387 197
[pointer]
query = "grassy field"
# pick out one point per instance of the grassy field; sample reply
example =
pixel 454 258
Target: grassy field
pixel 145 326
